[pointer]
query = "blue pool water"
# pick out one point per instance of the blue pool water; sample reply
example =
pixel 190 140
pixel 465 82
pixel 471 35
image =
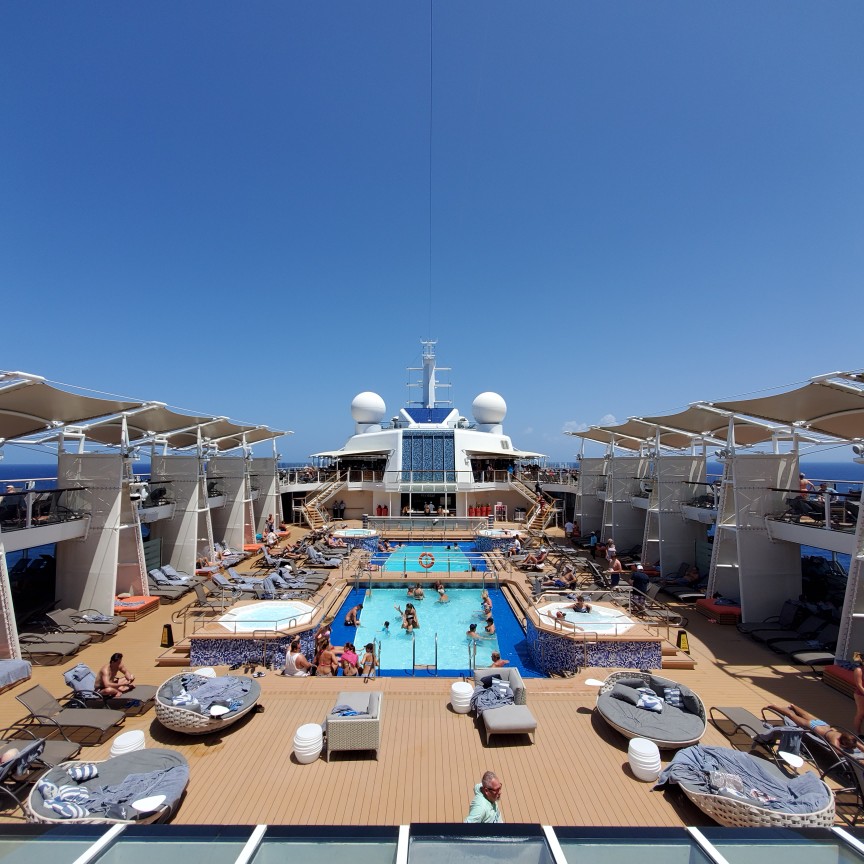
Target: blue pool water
pixel 449 620
pixel 452 557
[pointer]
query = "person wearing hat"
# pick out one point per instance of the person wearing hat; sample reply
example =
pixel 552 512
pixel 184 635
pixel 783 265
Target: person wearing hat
pixel 639 580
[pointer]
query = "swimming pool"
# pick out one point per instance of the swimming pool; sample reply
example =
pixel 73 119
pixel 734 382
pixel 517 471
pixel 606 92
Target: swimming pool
pixel 269 615
pixel 452 557
pixel 605 620
pixel 449 621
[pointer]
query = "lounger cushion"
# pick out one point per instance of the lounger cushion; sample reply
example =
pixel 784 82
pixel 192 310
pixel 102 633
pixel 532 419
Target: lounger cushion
pixel 510 720
pixel 626 694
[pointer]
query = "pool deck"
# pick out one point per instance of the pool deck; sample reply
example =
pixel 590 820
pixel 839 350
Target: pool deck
pixel 430 757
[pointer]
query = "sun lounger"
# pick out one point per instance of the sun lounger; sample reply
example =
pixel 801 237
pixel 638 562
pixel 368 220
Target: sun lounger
pixel 82 680
pixel 790 612
pixel 45 710
pixel 56 750
pixel 70 621
pixel 45 649
pixel 747 732
pixel 194 717
pixel 808 628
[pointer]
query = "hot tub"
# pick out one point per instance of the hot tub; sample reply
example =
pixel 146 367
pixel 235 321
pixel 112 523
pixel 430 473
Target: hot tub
pixel 270 615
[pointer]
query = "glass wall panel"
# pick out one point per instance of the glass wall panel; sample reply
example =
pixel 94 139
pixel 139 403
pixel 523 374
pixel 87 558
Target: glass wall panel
pixel 181 844
pixel 370 845
pixel 495 848
pixel 31 844
pixel 624 846
pixel 743 846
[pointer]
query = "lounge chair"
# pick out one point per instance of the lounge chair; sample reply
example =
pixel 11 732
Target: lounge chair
pixel 160 586
pixel 803 801
pixel 515 719
pixel 155 776
pixel 247 588
pixel 319 560
pixel 45 649
pixel 18 772
pixel 45 710
pixel 681 723
pixel 203 713
pixel 70 621
pixel 747 732
pixel 808 629
pixel 790 612
pixel 82 680
pixel 56 749
pixel 212 603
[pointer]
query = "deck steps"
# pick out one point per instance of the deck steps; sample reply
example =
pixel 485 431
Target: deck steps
pixel 178 655
pixel 675 658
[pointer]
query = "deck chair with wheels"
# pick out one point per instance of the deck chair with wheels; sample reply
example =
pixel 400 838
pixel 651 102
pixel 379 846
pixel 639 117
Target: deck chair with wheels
pixel 46 711
pixel 82 681
pixel 18 772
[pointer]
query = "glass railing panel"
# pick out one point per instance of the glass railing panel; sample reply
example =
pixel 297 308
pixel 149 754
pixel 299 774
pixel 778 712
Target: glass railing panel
pixel 755 846
pixel 369 845
pixel 479 844
pixel 624 846
pixel 44 844
pixel 177 844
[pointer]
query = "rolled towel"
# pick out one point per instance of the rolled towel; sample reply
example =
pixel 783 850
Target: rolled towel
pixel 83 771
pixel 68 810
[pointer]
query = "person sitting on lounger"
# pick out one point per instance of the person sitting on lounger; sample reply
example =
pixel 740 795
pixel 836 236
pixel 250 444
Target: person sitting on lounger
pixel 844 741
pixel 536 560
pixel 114 678
pixel 565 579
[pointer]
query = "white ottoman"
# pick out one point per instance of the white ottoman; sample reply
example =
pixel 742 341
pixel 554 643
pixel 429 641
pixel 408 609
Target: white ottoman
pixel 644 758
pixel 308 743
pixel 460 697
pixel 128 742
pixel 207 672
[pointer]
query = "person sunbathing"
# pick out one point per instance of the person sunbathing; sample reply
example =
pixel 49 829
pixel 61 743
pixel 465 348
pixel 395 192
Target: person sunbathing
pixel 537 560
pixel 837 738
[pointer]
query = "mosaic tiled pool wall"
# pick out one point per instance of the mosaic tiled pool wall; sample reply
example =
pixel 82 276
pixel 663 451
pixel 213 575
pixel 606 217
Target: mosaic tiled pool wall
pixel 551 652
pixel 485 543
pixel 227 652
pixel 369 543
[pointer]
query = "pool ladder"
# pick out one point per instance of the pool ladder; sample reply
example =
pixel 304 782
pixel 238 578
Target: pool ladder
pixel 429 667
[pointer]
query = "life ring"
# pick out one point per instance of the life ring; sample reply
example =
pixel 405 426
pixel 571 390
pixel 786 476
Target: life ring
pixel 427 559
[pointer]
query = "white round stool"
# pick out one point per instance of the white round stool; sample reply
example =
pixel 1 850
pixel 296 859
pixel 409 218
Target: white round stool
pixel 460 697
pixel 207 672
pixel 644 758
pixel 308 743
pixel 128 742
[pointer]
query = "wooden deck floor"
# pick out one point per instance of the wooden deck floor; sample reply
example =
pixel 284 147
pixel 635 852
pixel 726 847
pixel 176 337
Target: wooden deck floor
pixel 575 774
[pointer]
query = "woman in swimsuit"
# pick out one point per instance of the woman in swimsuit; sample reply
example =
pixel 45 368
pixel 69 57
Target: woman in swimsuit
pixel 835 737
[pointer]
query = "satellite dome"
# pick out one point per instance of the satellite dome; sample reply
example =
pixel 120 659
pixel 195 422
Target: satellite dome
pixel 368 407
pixel 489 408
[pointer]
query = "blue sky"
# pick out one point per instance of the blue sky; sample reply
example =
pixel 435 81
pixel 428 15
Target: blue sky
pixel 227 207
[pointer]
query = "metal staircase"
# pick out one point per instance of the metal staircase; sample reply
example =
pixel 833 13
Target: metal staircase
pixel 313 510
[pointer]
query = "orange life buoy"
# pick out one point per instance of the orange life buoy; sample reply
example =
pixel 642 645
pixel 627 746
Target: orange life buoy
pixel 427 559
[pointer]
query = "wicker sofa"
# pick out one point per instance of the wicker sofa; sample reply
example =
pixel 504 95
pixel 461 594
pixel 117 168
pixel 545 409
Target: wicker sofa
pixel 361 732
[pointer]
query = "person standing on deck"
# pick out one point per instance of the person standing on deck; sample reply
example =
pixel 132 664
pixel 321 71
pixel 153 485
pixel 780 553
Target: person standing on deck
pixel 486 804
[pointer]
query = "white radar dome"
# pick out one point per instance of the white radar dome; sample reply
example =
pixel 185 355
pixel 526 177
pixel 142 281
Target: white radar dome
pixel 368 408
pixel 489 408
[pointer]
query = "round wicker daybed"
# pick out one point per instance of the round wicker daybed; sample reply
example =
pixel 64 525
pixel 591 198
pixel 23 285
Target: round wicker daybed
pixel 672 728
pixel 238 693
pixel 812 798
pixel 170 777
